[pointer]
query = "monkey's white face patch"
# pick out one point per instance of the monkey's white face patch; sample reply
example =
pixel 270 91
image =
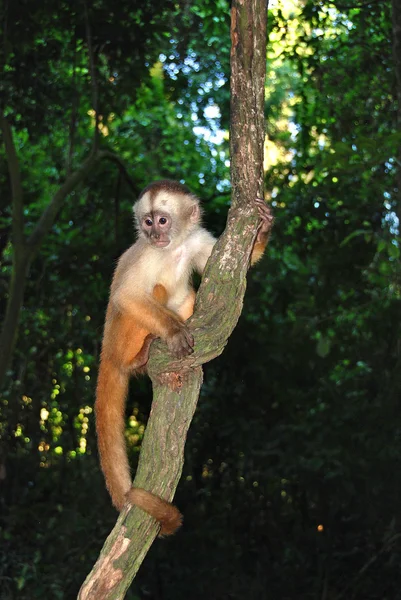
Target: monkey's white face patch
pixel 166 200
pixel 163 201
pixel 143 206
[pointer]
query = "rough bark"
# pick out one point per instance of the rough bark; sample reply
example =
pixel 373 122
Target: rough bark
pixel 176 384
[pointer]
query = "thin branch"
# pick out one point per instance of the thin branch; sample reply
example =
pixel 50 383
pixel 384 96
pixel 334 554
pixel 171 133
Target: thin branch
pixel 360 5
pixel 92 67
pixel 48 216
pixel 123 170
pixel 74 109
pixel 385 548
pixel 5 34
pixel 24 251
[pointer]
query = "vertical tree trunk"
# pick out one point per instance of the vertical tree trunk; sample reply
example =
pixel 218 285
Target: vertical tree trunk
pixel 24 250
pixel 247 121
pixel 14 305
pixel 176 385
pixel 19 256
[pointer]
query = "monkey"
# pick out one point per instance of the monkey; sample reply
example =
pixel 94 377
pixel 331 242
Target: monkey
pixel 151 296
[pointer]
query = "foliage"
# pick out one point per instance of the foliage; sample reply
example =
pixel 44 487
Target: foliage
pixel 291 485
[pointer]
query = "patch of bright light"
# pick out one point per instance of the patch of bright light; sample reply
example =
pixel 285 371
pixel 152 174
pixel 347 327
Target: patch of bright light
pixel 212 112
pixel 215 137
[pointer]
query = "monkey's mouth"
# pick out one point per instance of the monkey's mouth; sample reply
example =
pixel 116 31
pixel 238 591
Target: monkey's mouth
pixel 160 243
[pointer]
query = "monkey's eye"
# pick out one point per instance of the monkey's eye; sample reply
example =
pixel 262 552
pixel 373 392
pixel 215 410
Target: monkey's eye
pixel 162 220
pixel 148 222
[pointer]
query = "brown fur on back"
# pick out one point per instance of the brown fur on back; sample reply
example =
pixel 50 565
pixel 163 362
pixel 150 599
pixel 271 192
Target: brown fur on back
pixel 167 185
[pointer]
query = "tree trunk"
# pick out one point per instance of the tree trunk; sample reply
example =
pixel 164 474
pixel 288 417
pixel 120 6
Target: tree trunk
pixel 24 250
pixel 14 305
pixel 176 384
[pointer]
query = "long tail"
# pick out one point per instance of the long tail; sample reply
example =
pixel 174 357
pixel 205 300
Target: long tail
pixel 111 393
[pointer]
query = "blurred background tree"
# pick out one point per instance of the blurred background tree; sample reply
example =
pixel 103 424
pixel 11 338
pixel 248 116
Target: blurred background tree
pixel 292 480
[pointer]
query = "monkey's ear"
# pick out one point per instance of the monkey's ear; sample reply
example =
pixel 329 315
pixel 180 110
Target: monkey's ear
pixel 195 214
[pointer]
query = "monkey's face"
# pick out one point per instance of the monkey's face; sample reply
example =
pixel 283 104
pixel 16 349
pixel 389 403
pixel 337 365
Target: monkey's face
pixel 166 213
pixel 156 226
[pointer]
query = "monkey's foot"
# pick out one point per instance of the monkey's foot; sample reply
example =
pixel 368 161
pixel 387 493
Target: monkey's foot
pixel 265 214
pixel 181 343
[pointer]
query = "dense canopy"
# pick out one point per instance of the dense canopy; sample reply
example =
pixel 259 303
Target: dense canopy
pixel 292 481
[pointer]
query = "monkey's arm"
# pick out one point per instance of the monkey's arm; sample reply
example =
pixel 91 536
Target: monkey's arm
pixel 203 248
pixel 205 241
pixel 155 318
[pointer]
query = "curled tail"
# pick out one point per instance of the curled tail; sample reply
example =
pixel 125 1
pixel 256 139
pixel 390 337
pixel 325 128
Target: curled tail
pixel 111 393
pixel 167 514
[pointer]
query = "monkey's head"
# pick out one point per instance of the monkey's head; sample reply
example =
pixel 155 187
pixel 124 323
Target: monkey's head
pixel 166 212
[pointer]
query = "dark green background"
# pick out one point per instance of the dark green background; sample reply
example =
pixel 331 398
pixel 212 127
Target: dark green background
pixel 291 486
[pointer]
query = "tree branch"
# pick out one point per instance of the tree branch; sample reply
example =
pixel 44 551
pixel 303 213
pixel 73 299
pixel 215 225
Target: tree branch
pixel 123 170
pixel 74 109
pixel 48 216
pixel 24 251
pixel 16 187
pixel 359 5
pixel 176 385
pixel 386 546
pixel 92 69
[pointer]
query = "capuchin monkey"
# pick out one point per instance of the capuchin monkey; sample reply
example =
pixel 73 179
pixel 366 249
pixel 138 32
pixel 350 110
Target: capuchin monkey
pixel 151 296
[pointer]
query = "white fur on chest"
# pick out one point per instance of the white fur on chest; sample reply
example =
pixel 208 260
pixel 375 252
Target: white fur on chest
pixel 171 269
pixel 174 276
pixel 180 261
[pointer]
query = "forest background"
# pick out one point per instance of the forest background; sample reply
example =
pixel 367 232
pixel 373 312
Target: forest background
pixel 292 480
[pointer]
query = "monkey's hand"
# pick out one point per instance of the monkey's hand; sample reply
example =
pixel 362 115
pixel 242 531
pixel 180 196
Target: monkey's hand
pixel 266 220
pixel 181 342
